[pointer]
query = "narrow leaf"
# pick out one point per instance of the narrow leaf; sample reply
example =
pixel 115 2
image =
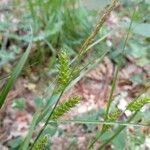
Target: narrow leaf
pixel 15 73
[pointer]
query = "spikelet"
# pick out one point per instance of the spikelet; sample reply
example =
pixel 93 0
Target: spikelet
pixel 75 73
pixel 64 71
pixel 41 143
pixel 65 107
pixel 110 118
pixel 137 104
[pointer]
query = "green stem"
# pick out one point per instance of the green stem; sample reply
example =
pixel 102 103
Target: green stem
pixel 112 91
pixel 26 142
pixel 97 122
pixel 118 68
pixel 47 121
pixel 95 140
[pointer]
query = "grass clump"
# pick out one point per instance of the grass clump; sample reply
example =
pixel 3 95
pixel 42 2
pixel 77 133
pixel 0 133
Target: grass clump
pixel 68 72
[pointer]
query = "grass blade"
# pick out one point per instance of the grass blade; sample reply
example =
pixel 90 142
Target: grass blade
pixel 97 122
pixel 15 73
pixel 30 132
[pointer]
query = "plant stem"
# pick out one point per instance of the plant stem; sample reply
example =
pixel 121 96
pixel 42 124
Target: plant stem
pixel 47 121
pixel 95 140
pixel 97 122
pixel 26 142
pixel 118 68
pixel 112 91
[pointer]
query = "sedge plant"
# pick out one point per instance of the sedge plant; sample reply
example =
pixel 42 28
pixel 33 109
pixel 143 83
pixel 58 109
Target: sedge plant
pixel 53 110
pixel 66 74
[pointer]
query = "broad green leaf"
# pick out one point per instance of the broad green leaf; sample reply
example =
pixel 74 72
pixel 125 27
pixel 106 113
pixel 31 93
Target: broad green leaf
pixel 14 144
pixel 136 138
pixel 106 135
pixel 139 51
pixel 119 142
pixel 142 29
pixel 38 102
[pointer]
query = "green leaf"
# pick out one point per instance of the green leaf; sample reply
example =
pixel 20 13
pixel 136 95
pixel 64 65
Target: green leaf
pixel 50 131
pixel 106 135
pixel 19 104
pixel 38 102
pixel 136 138
pixel 15 142
pixel 3 26
pixel 98 122
pixel 119 142
pixel 139 51
pixel 137 78
pixel 142 29
pixel 147 40
pixel 15 73
pixel 90 117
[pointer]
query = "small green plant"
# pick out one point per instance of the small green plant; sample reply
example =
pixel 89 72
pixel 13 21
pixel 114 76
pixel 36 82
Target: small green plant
pixel 57 24
pixel 60 20
pixel 19 104
pixel 65 77
pixel 50 112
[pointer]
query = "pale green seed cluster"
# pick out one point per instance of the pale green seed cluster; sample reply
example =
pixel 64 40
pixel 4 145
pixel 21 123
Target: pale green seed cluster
pixel 65 107
pixel 137 104
pixel 110 118
pixel 41 143
pixel 64 71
